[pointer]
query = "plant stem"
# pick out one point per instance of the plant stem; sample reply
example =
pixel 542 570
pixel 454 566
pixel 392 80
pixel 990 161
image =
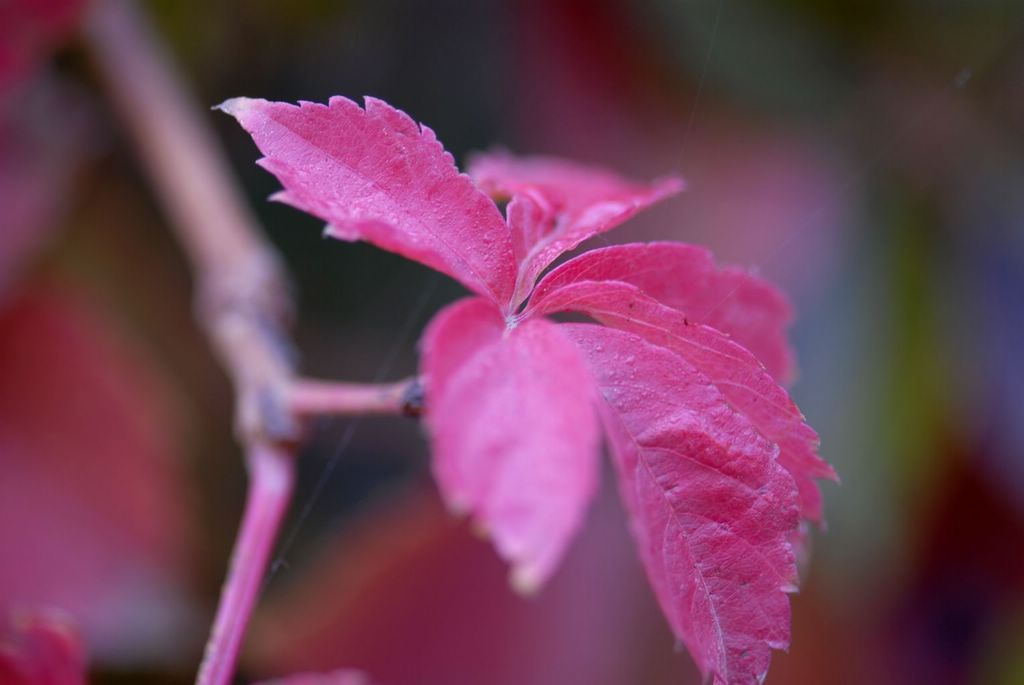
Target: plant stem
pixel 310 397
pixel 242 294
pixel 271 479
pixel 243 302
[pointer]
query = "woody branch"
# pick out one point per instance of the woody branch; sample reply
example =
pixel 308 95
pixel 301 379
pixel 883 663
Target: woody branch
pixel 243 302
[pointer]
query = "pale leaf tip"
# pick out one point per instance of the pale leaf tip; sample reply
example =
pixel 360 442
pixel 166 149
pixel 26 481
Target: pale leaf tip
pixel 457 505
pixel 342 232
pixel 670 185
pixel 232 106
pixel 242 108
pixel 524 580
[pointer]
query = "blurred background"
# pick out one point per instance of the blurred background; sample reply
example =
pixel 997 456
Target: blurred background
pixel 867 156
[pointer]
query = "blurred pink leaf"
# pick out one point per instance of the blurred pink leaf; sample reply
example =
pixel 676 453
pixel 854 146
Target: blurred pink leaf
pixel 514 430
pixel 376 175
pixel 40 647
pixel 711 509
pixel 94 511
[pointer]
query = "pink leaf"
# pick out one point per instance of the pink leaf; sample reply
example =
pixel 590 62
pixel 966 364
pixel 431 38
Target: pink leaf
pixel 376 175
pixel 685 277
pixel 84 406
pixel 566 204
pixel 743 382
pixel 40 648
pixel 453 336
pixel 514 430
pixel 711 509
pixel 716 463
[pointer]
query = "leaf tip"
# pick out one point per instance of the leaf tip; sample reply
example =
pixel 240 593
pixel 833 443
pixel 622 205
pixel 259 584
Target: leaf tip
pixel 525 580
pixel 669 185
pixel 457 505
pixel 280 196
pixel 341 232
pixel 233 106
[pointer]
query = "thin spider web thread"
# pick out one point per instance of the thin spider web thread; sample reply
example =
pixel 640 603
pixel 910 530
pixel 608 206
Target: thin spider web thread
pixel 691 118
pixel 383 369
pixel 703 78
